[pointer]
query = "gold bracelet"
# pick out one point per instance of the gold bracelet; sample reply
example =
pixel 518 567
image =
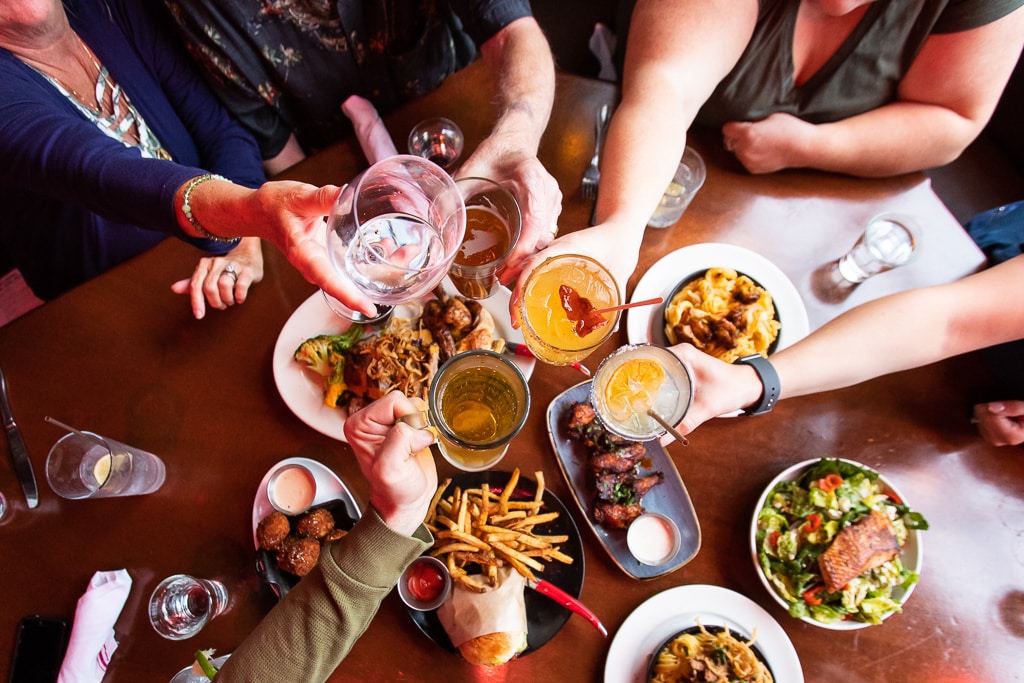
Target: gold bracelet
pixel 186 208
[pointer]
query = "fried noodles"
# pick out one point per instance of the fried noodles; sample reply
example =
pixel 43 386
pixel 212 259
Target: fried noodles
pixel 724 314
pixel 709 656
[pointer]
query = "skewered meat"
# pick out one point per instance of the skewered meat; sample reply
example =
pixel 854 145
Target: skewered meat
pixel 869 543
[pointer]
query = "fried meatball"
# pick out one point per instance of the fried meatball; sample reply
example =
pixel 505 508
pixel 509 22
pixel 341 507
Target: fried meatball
pixel 298 555
pixel 315 524
pixel 272 530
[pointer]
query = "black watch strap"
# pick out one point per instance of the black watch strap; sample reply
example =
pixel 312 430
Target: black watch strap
pixel 769 380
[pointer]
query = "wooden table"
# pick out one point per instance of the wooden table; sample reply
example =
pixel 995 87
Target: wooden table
pixel 121 355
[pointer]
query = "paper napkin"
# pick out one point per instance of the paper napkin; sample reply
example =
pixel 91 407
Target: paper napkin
pixel 92 641
pixel 373 136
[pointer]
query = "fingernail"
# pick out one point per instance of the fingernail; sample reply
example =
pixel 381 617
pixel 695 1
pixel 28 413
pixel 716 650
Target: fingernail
pixel 996 407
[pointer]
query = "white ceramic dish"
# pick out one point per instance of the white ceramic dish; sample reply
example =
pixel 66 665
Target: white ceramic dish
pixel 301 390
pixel 645 324
pixel 670 611
pixel 912 554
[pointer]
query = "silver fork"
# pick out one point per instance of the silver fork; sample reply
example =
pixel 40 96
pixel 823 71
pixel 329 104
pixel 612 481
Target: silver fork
pixel 592 176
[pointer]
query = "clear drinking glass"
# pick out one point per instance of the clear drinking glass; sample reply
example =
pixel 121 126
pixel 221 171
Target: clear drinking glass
pixel 688 179
pixel 437 139
pixel 395 230
pixel 181 605
pixel 493 224
pixel 888 241
pixel 87 465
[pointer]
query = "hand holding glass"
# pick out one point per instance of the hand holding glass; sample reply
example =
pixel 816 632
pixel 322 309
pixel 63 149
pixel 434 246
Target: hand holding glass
pixel 395 230
pixel 888 241
pixel 87 465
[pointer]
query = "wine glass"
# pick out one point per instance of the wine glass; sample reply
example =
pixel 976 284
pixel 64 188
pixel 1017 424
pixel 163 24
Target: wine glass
pixel 181 605
pixel 395 230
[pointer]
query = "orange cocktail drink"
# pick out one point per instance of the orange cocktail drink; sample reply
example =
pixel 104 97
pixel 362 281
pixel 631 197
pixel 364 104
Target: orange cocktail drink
pixel 556 307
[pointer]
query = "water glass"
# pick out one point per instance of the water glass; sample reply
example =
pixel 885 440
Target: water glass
pixel 888 241
pixel 87 465
pixel 181 605
pixel 478 402
pixel 395 230
pixel 437 139
pixel 688 179
pixel 493 224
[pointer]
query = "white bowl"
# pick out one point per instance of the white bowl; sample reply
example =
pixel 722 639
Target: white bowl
pixel 912 554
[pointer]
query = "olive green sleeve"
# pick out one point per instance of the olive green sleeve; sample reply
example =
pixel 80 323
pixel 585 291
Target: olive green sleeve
pixel 311 630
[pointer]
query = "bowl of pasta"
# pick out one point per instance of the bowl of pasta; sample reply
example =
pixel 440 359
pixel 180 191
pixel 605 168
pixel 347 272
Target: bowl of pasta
pixel 723 312
pixel 836 544
pixel 708 653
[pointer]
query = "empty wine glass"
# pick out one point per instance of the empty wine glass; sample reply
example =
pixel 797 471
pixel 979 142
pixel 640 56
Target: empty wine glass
pixel 181 605
pixel 395 230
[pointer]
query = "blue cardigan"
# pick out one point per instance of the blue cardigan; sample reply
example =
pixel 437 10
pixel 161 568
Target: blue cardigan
pixel 77 202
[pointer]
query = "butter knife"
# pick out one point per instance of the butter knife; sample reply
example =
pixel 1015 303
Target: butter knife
pixel 19 454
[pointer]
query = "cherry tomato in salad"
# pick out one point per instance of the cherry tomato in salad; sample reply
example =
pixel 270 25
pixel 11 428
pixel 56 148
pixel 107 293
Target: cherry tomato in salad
pixel 813 522
pixel 811 596
pixel 773 540
pixel 830 482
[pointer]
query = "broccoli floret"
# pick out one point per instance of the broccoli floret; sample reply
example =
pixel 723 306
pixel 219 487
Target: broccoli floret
pixel 324 352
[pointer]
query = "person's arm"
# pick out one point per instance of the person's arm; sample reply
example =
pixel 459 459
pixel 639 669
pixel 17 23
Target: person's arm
pixel 943 103
pixel 676 54
pixel 890 334
pixel 291 154
pixel 312 629
pixel 523 72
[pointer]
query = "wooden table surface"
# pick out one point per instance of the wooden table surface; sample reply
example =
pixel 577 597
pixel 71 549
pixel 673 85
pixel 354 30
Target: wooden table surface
pixel 122 356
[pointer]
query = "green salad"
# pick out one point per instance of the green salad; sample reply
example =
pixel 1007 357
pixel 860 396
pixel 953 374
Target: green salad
pixel 798 522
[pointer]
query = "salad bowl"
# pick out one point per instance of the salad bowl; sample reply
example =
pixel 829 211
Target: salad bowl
pixel 798 517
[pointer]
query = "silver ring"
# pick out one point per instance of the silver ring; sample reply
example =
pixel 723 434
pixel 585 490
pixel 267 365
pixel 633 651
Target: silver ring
pixel 230 270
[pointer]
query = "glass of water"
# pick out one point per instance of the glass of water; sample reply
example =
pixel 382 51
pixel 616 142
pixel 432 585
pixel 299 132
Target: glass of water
pixel 688 179
pixel 181 605
pixel 395 230
pixel 888 241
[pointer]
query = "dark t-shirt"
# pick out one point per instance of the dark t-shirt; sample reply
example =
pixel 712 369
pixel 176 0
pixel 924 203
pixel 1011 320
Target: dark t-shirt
pixel 865 72
pixel 285 66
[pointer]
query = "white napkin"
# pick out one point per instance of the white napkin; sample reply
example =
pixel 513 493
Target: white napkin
pixel 602 46
pixel 373 136
pixel 92 641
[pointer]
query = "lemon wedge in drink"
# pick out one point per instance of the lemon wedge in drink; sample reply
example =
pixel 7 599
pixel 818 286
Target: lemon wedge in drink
pixel 101 470
pixel 633 387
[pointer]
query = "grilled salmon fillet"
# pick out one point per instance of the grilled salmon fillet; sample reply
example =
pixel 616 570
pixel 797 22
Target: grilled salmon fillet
pixel 869 543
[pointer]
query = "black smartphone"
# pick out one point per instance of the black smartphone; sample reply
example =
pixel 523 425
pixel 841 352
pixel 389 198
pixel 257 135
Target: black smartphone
pixel 39 649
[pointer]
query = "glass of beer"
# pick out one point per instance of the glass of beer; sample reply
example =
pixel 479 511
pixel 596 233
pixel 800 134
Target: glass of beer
pixel 493 223
pixel 479 400
pixel 557 304
pixel 637 378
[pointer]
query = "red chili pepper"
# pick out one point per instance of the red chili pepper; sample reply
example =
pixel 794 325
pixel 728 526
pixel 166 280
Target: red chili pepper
pixel 813 522
pixel 773 540
pixel 811 596
pixel 830 482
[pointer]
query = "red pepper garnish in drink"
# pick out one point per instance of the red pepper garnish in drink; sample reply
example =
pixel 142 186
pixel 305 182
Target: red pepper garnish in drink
pixel 813 522
pixel 579 310
pixel 425 581
pixel 812 597
pixel 830 482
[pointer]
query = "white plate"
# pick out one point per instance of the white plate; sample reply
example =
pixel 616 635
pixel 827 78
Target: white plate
pixel 645 324
pixel 672 610
pixel 329 486
pixel 912 554
pixel 301 390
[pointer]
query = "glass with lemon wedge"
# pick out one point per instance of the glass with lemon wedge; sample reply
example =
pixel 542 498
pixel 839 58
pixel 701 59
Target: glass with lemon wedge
pixel 87 465
pixel 635 379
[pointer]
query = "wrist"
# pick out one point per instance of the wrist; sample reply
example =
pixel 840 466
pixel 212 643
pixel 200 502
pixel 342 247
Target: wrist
pixel 187 208
pixel 764 387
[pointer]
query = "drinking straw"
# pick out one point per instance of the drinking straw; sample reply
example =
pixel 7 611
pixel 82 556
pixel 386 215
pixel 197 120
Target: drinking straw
pixel 76 431
pixel 671 430
pixel 634 304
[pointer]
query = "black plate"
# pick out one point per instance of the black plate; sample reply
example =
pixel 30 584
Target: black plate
pixel 710 629
pixel 544 617
pixel 281 581
pixel 661 339
pixel 670 497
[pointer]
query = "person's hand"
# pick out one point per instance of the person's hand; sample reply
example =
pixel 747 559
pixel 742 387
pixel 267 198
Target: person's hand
pixel 223 281
pixel 767 145
pixel 535 190
pixel 598 242
pixel 719 388
pixel 395 459
pixel 1001 423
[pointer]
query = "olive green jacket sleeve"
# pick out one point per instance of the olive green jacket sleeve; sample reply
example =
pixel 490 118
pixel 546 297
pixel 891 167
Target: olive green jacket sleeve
pixel 311 630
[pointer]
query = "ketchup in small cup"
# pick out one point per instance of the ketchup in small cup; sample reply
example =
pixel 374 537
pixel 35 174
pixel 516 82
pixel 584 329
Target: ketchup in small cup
pixel 425 584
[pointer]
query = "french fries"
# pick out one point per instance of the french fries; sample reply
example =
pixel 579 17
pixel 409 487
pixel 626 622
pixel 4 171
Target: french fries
pixel 478 530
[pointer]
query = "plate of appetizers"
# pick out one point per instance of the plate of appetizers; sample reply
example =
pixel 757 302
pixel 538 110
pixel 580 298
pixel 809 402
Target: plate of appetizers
pixel 647 628
pixel 303 391
pixel 836 544
pixel 646 324
pixel 331 495
pixel 651 483
pixel 544 617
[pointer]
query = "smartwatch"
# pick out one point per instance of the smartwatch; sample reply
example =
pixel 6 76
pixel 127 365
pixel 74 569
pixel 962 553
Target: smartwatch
pixel 769 380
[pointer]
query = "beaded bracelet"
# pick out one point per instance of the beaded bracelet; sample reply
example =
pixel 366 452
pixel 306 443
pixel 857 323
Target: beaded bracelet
pixel 186 208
